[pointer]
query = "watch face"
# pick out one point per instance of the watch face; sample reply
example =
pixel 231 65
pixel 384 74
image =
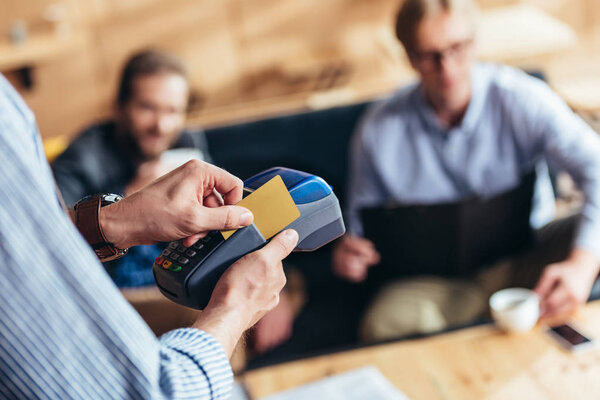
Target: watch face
pixel 105 198
pixel 110 198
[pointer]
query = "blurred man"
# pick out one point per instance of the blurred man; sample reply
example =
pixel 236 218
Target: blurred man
pixel 128 152
pixel 468 129
pixel 144 140
pixel 124 154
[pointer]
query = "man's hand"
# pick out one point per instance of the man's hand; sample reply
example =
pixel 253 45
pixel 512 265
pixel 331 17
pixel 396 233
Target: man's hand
pixel 275 327
pixel 186 203
pixel 565 285
pixel 353 256
pixel 247 291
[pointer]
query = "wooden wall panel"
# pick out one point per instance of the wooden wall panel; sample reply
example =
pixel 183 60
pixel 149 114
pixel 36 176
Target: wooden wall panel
pixel 197 31
pixel 244 56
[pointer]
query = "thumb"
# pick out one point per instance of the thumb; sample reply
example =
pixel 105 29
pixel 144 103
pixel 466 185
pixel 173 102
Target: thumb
pixel 546 283
pixel 224 218
pixel 281 245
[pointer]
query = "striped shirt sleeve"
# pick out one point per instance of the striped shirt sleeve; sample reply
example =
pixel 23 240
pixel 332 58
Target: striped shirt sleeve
pixel 65 330
pixel 199 351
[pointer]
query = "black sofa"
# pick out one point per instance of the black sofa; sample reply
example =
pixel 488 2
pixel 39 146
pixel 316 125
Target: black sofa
pixel 314 141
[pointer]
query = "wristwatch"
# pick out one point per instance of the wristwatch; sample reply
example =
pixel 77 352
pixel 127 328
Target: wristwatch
pixel 86 219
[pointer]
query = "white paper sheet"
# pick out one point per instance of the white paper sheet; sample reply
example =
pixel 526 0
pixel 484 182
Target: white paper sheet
pixel 238 392
pixel 365 383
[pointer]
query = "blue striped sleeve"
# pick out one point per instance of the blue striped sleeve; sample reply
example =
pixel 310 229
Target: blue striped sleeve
pixel 191 350
pixel 66 332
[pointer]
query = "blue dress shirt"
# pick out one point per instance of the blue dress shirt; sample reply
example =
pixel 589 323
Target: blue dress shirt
pixel 514 123
pixel 65 330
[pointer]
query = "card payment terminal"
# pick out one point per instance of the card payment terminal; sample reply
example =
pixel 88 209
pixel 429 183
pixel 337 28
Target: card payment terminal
pixel 188 275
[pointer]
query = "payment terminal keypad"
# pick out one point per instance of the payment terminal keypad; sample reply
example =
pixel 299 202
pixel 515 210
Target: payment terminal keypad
pixel 176 257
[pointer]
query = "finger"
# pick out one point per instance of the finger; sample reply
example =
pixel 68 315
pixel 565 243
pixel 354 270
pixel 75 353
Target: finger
pixel 373 259
pixel 213 200
pixel 547 282
pixel 361 247
pixel 223 218
pixel 355 271
pixel 281 245
pixel 557 299
pixel 359 242
pixel 563 310
pixel 228 185
pixel 190 240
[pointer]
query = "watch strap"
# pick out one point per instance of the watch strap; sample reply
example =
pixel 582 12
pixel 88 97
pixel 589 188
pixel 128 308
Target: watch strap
pixel 86 220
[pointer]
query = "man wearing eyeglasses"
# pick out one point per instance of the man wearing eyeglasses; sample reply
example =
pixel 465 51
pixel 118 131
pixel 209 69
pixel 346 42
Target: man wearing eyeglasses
pixel 468 129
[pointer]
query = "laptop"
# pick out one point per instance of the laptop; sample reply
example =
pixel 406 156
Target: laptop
pixel 451 239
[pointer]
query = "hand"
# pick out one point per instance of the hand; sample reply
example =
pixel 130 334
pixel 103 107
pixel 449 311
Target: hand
pixel 147 172
pixel 565 285
pixel 353 256
pixel 247 291
pixel 275 327
pixel 186 203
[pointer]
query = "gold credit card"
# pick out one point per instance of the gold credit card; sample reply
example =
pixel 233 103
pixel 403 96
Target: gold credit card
pixel 272 206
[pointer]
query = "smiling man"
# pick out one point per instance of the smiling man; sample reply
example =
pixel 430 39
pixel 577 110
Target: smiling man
pixel 123 154
pixel 127 152
pixel 468 130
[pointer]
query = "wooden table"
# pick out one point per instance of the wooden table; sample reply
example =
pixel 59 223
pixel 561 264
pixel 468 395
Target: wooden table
pixel 475 363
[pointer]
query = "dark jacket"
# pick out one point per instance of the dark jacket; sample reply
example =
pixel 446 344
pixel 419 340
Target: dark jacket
pixel 95 162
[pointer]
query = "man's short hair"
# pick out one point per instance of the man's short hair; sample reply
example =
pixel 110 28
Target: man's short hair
pixel 412 12
pixel 148 62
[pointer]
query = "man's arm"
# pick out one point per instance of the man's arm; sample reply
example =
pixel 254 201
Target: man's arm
pixel 571 145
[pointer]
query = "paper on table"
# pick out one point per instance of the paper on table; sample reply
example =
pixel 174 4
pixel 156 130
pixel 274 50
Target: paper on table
pixel 239 392
pixel 365 383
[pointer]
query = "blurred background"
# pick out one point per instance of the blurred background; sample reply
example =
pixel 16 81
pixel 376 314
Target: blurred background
pixel 255 58
pixel 286 79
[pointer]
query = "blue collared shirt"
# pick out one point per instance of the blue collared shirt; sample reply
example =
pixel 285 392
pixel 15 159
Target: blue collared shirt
pixel 65 330
pixel 514 123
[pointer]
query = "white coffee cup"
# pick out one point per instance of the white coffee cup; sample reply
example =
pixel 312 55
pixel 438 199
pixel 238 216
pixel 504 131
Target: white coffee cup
pixel 179 156
pixel 515 309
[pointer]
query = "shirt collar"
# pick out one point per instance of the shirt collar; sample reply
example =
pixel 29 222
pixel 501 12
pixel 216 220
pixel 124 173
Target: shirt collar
pixel 472 115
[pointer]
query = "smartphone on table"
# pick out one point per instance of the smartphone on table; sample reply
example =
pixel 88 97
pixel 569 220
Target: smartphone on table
pixel 571 338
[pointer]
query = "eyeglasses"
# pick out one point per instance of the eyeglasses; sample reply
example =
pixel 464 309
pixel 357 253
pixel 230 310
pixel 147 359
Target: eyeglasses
pixel 433 59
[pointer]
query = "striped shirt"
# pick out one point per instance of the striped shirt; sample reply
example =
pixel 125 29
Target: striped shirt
pixel 65 330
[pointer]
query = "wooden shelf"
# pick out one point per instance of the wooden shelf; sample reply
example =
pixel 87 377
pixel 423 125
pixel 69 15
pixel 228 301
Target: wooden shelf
pixel 522 31
pixel 38 49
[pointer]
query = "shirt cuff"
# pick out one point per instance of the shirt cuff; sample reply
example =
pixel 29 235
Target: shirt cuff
pixel 588 236
pixel 212 374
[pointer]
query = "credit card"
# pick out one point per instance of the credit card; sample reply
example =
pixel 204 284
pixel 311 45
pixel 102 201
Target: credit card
pixel 272 206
